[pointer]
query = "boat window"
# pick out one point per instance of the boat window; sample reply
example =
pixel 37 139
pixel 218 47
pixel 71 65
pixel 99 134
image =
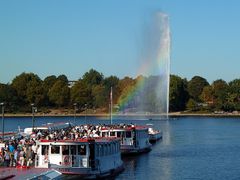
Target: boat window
pixel 104 134
pixel 112 134
pixel 73 149
pixel 128 134
pixel 45 149
pixel 55 149
pixel 82 150
pixel 123 134
pixel 65 150
pixel 119 134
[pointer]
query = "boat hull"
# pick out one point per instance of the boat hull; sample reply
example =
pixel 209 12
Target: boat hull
pixel 89 174
pixel 129 151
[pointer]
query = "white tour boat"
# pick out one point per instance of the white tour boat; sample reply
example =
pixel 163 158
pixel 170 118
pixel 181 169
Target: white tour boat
pixel 154 135
pixel 81 158
pixel 48 127
pixel 134 138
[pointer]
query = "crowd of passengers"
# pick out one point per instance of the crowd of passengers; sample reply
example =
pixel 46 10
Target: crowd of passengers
pixel 22 151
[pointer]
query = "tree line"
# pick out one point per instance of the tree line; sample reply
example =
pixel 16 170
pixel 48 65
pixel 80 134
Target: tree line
pixel 92 91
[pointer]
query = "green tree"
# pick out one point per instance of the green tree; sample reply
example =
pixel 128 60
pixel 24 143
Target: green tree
pixel 48 83
pixel 35 92
pixel 80 94
pixel 23 84
pixel 195 87
pixel 59 93
pixel 125 86
pixel 220 93
pixel 125 82
pixel 192 105
pixel 113 82
pixel 8 95
pixel 234 90
pixel 63 78
pixel 100 96
pixel 92 77
pixel 178 95
pixel 207 94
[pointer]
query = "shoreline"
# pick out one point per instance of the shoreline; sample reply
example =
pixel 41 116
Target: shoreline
pixel 172 114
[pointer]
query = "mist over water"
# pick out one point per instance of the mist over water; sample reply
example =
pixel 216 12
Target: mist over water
pixel 151 94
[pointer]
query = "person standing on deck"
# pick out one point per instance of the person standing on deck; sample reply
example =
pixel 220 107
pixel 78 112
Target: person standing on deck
pixel 6 158
pixel 22 157
pixel 11 151
pixel 16 153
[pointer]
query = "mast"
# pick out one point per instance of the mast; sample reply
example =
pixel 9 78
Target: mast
pixel 111 105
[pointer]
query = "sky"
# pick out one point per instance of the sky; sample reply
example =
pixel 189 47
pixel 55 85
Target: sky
pixel 70 37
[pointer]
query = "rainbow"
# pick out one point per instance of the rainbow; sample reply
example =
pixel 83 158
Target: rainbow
pixel 130 92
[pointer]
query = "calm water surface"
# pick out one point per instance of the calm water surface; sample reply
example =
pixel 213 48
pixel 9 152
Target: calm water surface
pixel 192 147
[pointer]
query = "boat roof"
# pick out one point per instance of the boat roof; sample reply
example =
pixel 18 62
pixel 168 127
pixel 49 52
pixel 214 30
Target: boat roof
pixel 8 133
pixel 125 128
pixel 82 140
pixel 52 125
pixel 49 126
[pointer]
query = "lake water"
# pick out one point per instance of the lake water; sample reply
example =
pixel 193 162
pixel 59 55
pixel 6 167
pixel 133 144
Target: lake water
pixel 191 148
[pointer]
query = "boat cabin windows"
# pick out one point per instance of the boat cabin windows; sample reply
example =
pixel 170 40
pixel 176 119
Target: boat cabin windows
pixel 73 149
pixel 55 149
pixel 128 134
pixel 119 134
pixel 45 149
pixel 65 150
pixel 82 150
pixel 112 134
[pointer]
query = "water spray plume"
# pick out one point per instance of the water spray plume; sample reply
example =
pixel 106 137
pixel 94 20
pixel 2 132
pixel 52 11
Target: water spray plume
pixel 150 94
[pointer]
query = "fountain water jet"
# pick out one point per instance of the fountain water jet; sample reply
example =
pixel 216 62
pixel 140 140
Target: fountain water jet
pixel 151 92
